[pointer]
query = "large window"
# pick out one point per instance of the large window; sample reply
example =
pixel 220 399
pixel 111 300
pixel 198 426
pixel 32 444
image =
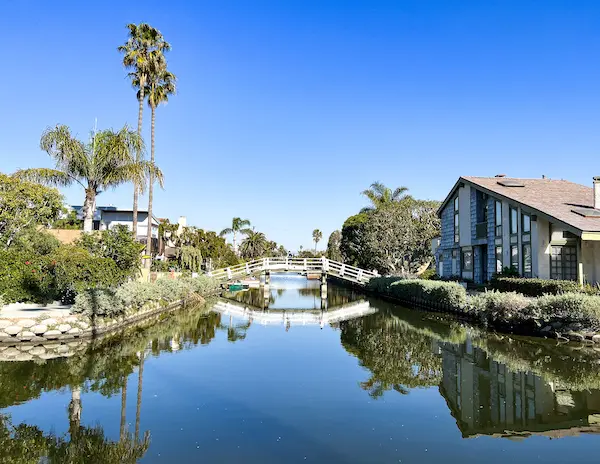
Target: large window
pixel 514 221
pixel 514 257
pixel 456 222
pixel 563 263
pixel 467 261
pixel 498 207
pixel 499 261
pixel 526 224
pixel 527 260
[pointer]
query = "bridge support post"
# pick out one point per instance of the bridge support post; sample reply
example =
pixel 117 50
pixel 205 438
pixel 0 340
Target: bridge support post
pixel 267 278
pixel 323 285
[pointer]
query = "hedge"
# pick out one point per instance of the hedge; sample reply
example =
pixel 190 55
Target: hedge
pixel 449 294
pixel 534 287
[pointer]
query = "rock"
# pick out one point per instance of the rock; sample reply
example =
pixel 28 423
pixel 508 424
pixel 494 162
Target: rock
pixel 11 352
pixel 62 349
pixel 575 337
pixel 556 325
pixel 64 328
pixel 27 347
pixel 37 339
pixel 4 323
pixel 13 329
pixel 26 335
pixel 37 350
pixel 47 356
pixel 39 329
pixel 548 328
pixel 26 323
pixel 23 357
pixel 596 338
pixel 49 321
pixel 52 334
pixel 83 325
pixel 575 326
pixel 75 332
pixel 72 319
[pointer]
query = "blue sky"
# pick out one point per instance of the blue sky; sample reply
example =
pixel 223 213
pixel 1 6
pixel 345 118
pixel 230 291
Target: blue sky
pixel 286 110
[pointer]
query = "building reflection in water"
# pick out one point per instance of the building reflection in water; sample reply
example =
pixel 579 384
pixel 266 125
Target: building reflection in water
pixel 486 398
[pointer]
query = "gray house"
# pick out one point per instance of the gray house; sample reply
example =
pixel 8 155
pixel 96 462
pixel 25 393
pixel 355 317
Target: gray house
pixel 540 227
pixel 107 217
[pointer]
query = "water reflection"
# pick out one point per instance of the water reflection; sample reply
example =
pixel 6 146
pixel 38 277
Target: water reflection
pixel 491 385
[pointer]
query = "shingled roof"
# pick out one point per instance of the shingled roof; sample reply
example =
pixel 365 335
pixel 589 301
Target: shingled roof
pixel 553 198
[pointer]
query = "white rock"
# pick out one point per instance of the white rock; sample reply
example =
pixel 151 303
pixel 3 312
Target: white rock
pixel 5 323
pixel 74 331
pixel 64 328
pixel 13 329
pixel 26 335
pixel 72 319
pixel 37 350
pixel 12 351
pixel 52 334
pixel 27 323
pixel 49 321
pixel 23 357
pixel 62 349
pixel 39 329
pixel 83 325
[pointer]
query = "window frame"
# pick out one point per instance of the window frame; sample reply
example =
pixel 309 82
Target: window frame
pixel 498 218
pixel 523 216
pixel 456 220
pixel 514 257
pixel 464 261
pixel 514 221
pixel 527 264
pixel 498 252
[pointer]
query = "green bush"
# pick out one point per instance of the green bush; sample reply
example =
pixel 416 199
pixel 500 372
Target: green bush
pixel 135 294
pixel 445 293
pixel 98 302
pixel 24 277
pixel 533 287
pixel 569 307
pixel 501 306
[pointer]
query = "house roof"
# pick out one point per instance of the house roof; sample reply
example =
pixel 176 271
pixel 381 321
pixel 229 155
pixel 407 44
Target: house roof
pixel 553 198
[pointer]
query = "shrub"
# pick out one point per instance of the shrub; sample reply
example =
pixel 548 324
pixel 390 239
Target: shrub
pixel 569 307
pixel 502 306
pixel 445 293
pixel 203 285
pixel 24 277
pixel 135 294
pixel 98 302
pixel 533 287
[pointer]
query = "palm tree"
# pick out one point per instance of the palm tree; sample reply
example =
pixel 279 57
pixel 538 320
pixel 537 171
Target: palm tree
pixel 144 46
pixel 106 161
pixel 238 225
pixel 161 84
pixel 381 196
pixel 254 245
pixel 317 236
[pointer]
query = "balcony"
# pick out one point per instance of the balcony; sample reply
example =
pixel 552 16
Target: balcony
pixel 481 230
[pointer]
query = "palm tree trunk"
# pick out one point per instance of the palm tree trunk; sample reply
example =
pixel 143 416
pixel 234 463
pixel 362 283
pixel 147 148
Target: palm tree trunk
pixel 89 207
pixel 235 242
pixel 138 409
pixel 150 195
pixel 136 188
pixel 123 408
pixel 74 411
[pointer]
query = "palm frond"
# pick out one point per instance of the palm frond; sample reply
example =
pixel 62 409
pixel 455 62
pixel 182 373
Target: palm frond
pixel 226 231
pixel 45 176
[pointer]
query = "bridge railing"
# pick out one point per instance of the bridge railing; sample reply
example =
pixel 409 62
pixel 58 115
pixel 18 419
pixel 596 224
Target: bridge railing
pixel 334 268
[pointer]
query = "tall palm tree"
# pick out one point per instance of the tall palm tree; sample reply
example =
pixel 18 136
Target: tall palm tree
pixel 144 46
pixel 238 225
pixel 106 161
pixel 317 236
pixel 254 245
pixel 138 409
pixel 161 84
pixel 380 196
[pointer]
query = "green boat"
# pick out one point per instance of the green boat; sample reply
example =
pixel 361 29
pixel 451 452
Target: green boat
pixel 236 287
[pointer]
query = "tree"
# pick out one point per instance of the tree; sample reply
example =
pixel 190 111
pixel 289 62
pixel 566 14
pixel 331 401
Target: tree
pixel 333 246
pixel 254 245
pixel 161 84
pixel 317 235
pixel 397 239
pixel 238 225
pixel 106 161
pixel 24 205
pixel 144 46
pixel 352 242
pixel 381 196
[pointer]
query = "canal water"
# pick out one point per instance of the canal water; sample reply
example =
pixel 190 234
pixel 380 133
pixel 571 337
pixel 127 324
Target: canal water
pixel 285 377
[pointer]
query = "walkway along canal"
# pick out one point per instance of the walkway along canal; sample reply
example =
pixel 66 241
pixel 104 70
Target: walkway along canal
pixel 391 385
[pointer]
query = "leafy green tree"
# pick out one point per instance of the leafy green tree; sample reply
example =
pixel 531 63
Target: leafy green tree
pixel 317 235
pixel 106 161
pixel 333 246
pixel 238 226
pixel 254 245
pixel 23 206
pixel 352 243
pixel 381 196
pixel 68 221
pixel 145 46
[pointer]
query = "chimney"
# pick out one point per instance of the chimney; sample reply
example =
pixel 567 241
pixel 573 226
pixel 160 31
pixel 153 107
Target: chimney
pixel 182 223
pixel 597 192
pixel 500 175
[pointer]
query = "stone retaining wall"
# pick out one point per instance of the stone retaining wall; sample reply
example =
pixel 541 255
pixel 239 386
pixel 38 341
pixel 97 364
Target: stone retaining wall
pixel 32 331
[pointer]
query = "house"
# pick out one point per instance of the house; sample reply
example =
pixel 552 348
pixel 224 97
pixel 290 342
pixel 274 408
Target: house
pixel 107 217
pixel 542 228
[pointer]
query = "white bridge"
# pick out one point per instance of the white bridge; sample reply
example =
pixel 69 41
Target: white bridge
pixel 296 317
pixel 322 266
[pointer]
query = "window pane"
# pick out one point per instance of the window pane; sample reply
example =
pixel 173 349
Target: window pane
pixel 527 260
pixel 514 225
pixel 498 213
pixel 514 257
pixel 467 261
pixel 526 223
pixel 456 204
pixel 499 265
